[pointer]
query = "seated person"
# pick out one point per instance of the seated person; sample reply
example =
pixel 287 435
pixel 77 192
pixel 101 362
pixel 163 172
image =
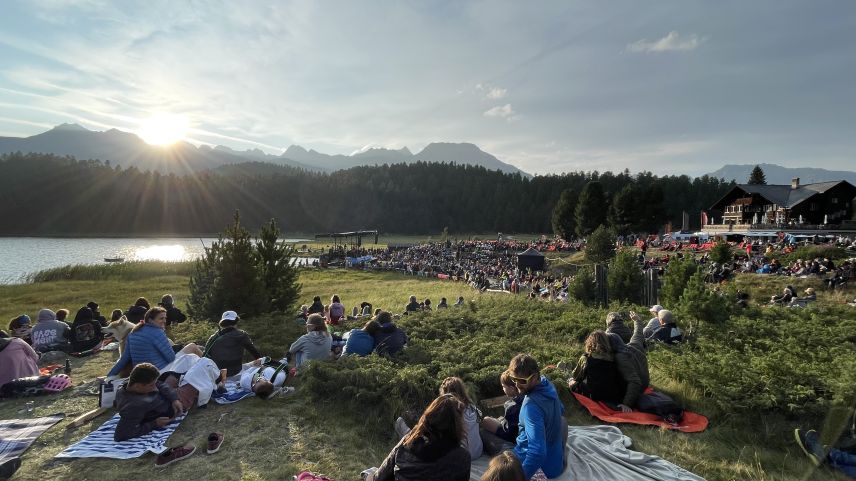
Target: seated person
pixel 390 339
pixel 136 314
pixel 361 341
pixel 144 403
pixel 302 314
pixel 17 359
pixel 615 323
pixel 504 467
pixel 314 345
pixel 426 305
pixel 838 456
pixel 810 296
pixel 506 427
pixel 173 314
pixel 668 332
pixel 226 346
pixel 788 293
pixel 365 308
pixel 49 334
pixel 147 343
pixel 337 311
pixel 20 327
pixel 96 314
pixel 443 303
pixel 263 379
pixel 85 331
pixel 596 375
pixel 317 307
pixel 654 323
pixel 455 386
pixel 413 305
pixel 459 302
pixel 432 450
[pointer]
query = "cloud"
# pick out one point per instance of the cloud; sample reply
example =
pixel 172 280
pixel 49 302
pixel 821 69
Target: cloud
pixel 670 43
pixel 501 111
pixel 496 93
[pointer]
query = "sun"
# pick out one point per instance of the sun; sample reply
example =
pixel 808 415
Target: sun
pixel 163 129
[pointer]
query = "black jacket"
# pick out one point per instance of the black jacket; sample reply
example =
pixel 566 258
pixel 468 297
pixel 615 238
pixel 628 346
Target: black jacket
pixel 426 461
pixel 226 349
pixel 174 315
pixel 137 412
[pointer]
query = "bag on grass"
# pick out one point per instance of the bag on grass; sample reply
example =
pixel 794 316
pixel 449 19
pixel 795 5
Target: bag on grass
pixel 107 392
pixel 25 386
pixel 661 405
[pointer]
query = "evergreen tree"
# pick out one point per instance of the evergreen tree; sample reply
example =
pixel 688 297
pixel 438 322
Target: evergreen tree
pixel 600 245
pixel 591 208
pixel 699 302
pixel 582 287
pixel 564 217
pixel 624 210
pixel 721 252
pixel 624 277
pixel 274 263
pixel 757 176
pixel 653 211
pixel 678 273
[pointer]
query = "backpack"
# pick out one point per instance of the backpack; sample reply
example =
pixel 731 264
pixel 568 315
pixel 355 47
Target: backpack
pixel 84 332
pixel 660 404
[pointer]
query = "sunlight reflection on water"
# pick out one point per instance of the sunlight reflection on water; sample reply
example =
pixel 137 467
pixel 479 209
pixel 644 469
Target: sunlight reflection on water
pixel 168 253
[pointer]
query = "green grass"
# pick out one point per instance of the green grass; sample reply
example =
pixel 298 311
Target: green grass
pixel 334 425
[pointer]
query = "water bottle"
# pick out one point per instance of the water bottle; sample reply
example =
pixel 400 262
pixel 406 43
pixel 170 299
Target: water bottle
pixel 67 366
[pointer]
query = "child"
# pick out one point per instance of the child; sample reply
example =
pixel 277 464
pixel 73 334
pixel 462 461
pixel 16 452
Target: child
pixel 455 386
pixel 144 404
pixel 504 467
pixel 506 427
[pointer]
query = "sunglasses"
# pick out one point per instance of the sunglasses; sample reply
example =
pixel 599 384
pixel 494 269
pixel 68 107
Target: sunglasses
pixel 521 380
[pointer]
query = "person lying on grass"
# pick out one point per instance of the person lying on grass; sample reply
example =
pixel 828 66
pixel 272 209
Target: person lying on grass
pixel 506 428
pixel 263 379
pixel 145 404
pixel 195 386
pixel 226 346
pixel 432 449
pixel 361 342
pixel 147 343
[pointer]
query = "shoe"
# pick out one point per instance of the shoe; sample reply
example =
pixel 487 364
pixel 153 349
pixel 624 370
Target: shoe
pixel 810 445
pixel 401 427
pixel 285 391
pixel 8 468
pixel 215 440
pixel 172 455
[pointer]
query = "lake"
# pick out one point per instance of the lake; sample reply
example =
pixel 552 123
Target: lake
pixel 20 256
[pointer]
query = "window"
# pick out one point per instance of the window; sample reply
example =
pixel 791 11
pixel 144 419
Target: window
pixel 813 206
pixel 833 200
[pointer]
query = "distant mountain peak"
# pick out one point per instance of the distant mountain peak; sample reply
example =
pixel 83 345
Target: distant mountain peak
pixel 71 127
pixel 294 149
pixel 779 175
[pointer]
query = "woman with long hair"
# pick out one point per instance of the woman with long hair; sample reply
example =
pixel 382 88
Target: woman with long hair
pixel 314 345
pixel 596 374
pixel 504 467
pixel 471 415
pixel 432 449
pixel 147 342
pixel 337 311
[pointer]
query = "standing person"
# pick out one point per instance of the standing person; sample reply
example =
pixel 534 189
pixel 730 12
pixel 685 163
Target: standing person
pixel 85 331
pixel 49 334
pixel 315 344
pixel 337 310
pixel 17 359
pixel 173 314
pixel 541 443
pixel 432 450
pixel 226 346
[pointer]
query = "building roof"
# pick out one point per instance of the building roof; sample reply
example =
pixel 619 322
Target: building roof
pixel 785 195
pixel 531 252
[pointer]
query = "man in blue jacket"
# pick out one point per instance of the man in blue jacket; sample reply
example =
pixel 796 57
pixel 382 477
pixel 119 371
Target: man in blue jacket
pixel 539 444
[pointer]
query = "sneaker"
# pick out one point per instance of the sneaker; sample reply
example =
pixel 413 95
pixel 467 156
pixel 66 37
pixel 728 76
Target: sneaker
pixel 810 445
pixel 285 391
pixel 172 455
pixel 215 440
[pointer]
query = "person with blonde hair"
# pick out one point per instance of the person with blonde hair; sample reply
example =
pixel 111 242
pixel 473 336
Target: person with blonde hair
pixel 432 450
pixel 504 467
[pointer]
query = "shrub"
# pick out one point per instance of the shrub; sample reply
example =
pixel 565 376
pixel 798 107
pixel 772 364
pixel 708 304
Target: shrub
pixel 699 302
pixel 813 252
pixel 678 273
pixel 582 287
pixel 721 252
pixel 625 277
pixel 600 245
pixel 234 274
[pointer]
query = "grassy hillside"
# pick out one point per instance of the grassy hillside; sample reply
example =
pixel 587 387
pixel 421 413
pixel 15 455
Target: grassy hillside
pixel 339 422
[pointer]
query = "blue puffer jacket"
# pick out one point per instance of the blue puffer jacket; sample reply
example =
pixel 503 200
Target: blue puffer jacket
pixel 359 342
pixel 149 344
pixel 540 443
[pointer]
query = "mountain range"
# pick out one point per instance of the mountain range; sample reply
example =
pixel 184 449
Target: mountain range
pixel 776 174
pixel 127 149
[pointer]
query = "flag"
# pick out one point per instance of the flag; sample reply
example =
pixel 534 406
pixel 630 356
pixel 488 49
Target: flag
pixel 703 218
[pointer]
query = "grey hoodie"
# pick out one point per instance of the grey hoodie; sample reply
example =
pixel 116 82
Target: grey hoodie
pixel 49 334
pixel 310 346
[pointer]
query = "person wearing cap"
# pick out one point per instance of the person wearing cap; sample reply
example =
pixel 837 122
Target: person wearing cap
pixel 20 327
pixel 49 334
pixel 173 314
pixel 226 346
pixel 96 314
pixel 668 332
pixel 654 323
pixel 314 345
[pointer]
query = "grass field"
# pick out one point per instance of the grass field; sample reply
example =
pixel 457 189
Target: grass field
pixel 340 435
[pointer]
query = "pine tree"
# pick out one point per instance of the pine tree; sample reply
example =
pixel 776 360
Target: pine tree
pixel 563 219
pixel 721 252
pixel 624 211
pixel 678 273
pixel 757 176
pixel 624 277
pixel 600 245
pixel 591 208
pixel 652 213
pixel 699 302
pixel 582 287
pixel 274 263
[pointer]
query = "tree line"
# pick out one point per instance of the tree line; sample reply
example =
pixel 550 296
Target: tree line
pixel 42 194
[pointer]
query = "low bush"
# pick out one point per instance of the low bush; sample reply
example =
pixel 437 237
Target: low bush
pixel 126 271
pixel 624 277
pixel 814 252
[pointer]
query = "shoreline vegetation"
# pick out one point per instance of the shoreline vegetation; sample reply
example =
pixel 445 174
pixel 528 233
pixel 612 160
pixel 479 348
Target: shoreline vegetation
pixel 763 373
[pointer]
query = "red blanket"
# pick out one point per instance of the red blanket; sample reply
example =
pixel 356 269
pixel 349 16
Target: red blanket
pixel 48 370
pixel 691 423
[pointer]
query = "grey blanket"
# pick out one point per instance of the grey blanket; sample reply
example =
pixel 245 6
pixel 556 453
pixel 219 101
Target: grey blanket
pixel 16 435
pixel 597 453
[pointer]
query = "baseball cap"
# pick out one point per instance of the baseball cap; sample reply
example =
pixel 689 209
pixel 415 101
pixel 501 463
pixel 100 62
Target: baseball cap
pixel 656 308
pixel 229 316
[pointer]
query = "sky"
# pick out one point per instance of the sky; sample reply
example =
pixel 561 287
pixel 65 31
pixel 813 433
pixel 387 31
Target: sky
pixel 669 87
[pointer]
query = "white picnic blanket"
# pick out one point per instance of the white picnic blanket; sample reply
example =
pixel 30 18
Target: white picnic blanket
pixel 100 443
pixel 597 453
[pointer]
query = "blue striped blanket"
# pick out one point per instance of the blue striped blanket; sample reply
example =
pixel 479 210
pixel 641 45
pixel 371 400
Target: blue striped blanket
pixel 100 443
pixel 233 394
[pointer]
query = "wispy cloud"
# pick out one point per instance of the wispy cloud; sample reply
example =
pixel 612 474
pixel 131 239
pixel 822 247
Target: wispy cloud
pixel 500 111
pixel 672 42
pixel 492 92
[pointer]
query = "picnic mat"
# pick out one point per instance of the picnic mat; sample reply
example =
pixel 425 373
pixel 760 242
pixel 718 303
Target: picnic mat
pixel 16 435
pixel 100 443
pixel 48 370
pixel 691 423
pixel 597 453
pixel 233 394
